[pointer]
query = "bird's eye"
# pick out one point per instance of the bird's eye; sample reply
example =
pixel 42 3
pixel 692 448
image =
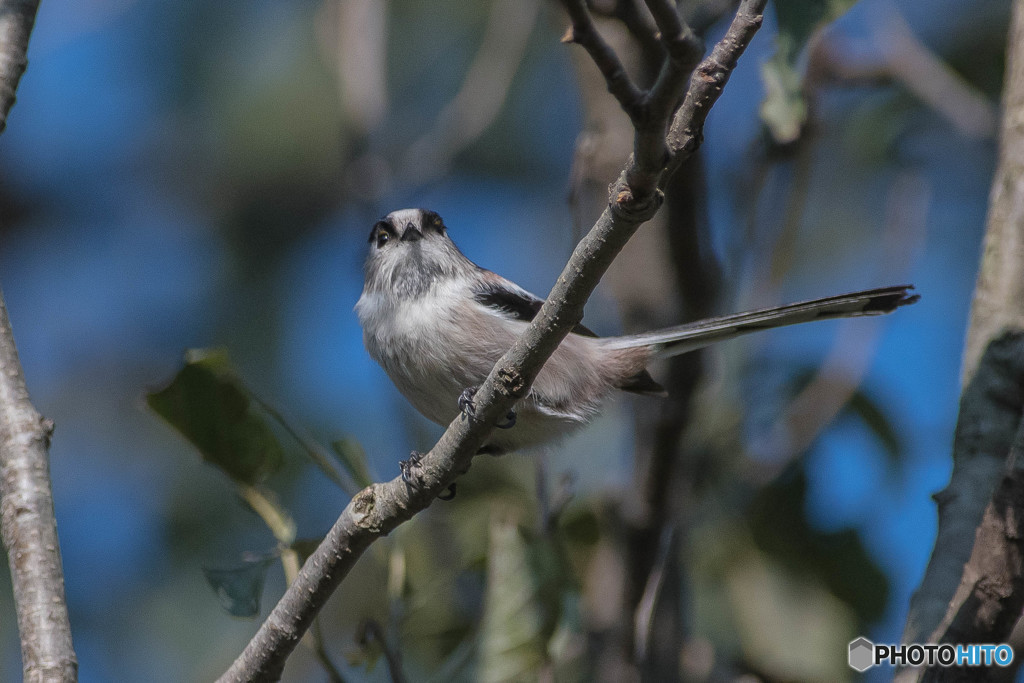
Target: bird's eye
pixel 382 238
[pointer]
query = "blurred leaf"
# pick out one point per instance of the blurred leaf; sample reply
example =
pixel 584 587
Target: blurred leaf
pixel 207 402
pixel 877 421
pixel 777 518
pixel 239 588
pixel 521 606
pixel 789 626
pixel 784 109
pixel 353 458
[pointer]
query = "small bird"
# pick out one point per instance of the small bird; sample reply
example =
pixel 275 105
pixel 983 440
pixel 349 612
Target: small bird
pixel 437 323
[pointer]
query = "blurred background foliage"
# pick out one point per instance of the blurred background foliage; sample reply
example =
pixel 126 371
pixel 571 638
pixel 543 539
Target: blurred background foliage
pixel 198 175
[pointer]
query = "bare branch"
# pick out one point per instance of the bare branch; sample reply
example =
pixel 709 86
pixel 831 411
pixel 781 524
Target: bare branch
pixel 684 50
pixel 584 33
pixel 652 110
pixel 707 82
pixel 28 527
pixel 378 509
pixel 16 20
pixel 639 23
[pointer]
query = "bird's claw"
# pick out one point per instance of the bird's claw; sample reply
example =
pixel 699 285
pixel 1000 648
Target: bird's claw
pixel 466 405
pixel 468 408
pixel 407 467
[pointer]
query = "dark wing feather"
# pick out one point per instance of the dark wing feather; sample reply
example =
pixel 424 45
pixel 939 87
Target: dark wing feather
pixel 515 304
pixel 518 304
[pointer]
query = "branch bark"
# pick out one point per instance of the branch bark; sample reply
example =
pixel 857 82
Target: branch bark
pixel 16 20
pixel 967 550
pixel 29 527
pixel 378 509
pixel 27 522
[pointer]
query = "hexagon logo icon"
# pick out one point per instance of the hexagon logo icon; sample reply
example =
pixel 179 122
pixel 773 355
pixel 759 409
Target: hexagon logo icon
pixel 862 654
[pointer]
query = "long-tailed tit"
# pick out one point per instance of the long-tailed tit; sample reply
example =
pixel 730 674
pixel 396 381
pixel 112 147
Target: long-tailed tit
pixel 437 323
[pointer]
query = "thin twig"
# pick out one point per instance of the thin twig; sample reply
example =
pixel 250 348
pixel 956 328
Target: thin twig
pixel 584 33
pixel 640 25
pixel 652 110
pixel 684 50
pixel 379 508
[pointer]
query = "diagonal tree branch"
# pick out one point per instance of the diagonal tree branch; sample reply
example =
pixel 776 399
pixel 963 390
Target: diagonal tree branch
pixel 27 522
pixel 378 509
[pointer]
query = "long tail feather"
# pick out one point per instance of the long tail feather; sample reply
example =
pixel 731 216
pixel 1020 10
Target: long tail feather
pixel 673 341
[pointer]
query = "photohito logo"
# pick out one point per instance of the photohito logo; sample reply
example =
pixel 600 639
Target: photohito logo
pixel 864 654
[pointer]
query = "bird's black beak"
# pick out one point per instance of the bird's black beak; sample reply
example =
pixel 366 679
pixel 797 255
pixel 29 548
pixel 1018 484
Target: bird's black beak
pixel 412 234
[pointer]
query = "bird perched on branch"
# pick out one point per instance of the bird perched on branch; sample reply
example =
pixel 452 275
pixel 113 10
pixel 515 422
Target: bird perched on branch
pixel 437 323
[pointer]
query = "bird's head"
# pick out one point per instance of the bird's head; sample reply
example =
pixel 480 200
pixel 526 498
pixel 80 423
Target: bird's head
pixel 410 252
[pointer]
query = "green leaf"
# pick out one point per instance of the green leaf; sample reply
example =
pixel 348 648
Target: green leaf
pixel 239 588
pixel 207 402
pixel 521 605
pixel 353 458
pixel 784 109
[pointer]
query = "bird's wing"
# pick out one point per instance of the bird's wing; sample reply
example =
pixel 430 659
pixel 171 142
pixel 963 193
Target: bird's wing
pixel 507 299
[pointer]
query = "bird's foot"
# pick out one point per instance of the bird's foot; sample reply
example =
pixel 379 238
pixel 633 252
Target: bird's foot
pixel 466 405
pixel 468 408
pixel 409 468
pixel 410 475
